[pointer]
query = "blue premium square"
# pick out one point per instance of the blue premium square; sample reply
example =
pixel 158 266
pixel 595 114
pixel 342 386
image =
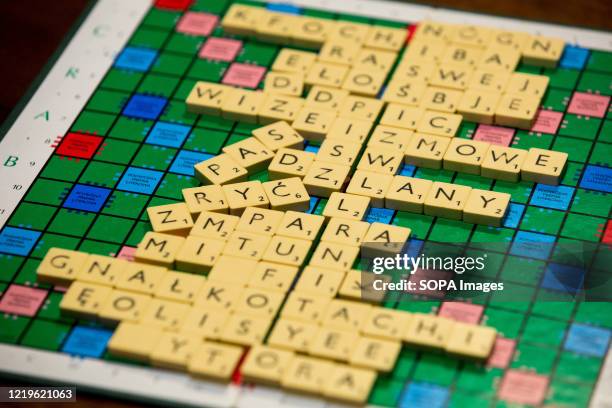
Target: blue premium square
pixel 86 198
pixel 284 8
pixel 382 215
pixel 168 134
pixel 135 59
pixel 557 197
pixel 144 106
pixel 185 160
pixel 563 278
pixel 588 340
pixel 87 341
pixel 574 57
pixel 597 178
pixel 137 180
pixel 418 394
pixel 17 241
pixel 532 245
pixel 513 216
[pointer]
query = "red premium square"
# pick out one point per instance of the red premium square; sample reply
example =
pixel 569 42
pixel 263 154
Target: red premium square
pixel 179 5
pixel 79 145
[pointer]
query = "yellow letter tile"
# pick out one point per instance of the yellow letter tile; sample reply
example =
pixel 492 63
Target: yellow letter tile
pixel 465 155
pixel 259 220
pixel 313 123
pixel 426 150
pixel 471 341
pixel 543 166
pixel 291 60
pixel 134 341
pixel 285 250
pixel 300 225
pixel 389 137
pixel 242 105
pixel 174 350
pixel 290 163
pixel 517 111
pixel 377 354
pixel 287 194
pixel 170 218
pixel 279 135
pixel 220 169
pixel 199 254
pixel 84 300
pixel 250 153
pixel 319 281
pixel 158 249
pixel 334 256
pixel 407 194
pixel 124 306
pixel 232 269
pixel 503 163
pixel 428 331
pixel 446 200
pixel 486 207
pixel 179 286
pixel 343 231
pixel 141 278
pixel 322 179
pixel 347 206
pixel 214 225
pixel 245 194
pixel 214 361
pixel 205 198
pixel 264 364
pixel 370 184
pixel 60 266
pixel 103 270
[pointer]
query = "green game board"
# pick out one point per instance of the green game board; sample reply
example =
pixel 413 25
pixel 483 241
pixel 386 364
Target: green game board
pixel 117 159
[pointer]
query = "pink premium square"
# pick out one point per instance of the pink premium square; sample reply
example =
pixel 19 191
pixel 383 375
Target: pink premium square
pixel 547 122
pixel 588 104
pixel 22 300
pixel 522 387
pixel 461 312
pixel 244 75
pixel 502 352
pixel 197 23
pixel 221 49
pixel 498 135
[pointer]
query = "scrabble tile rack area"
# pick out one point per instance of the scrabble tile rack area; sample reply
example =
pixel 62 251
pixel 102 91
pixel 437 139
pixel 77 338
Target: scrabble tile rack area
pixel 214 167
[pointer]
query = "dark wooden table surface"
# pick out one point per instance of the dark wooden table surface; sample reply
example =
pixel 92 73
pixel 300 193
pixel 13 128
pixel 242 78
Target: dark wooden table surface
pixel 31 30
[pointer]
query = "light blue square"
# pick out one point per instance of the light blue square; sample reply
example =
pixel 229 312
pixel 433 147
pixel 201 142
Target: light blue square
pixel 424 395
pixel 597 178
pixel 556 197
pixel 574 57
pixel 17 241
pixel 137 180
pixel 513 216
pixel 382 215
pixel 407 170
pixel 588 340
pixel 532 245
pixel 284 8
pixel 87 341
pixel 311 148
pixel 135 58
pixel 168 134
pixel 185 160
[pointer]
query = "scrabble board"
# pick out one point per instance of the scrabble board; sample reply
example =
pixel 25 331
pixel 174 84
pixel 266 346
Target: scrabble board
pixel 108 133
